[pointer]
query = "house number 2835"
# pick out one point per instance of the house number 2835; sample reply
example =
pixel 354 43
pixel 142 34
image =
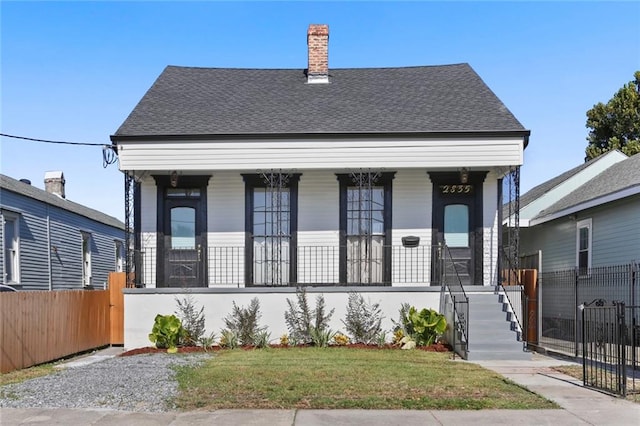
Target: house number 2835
pixel 456 189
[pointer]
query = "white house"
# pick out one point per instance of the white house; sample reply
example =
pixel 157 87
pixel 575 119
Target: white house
pixel 256 181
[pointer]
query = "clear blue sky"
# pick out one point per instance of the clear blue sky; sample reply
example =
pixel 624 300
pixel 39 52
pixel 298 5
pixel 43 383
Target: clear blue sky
pixel 74 70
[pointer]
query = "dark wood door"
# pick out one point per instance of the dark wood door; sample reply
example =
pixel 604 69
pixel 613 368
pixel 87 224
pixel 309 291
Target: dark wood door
pixel 184 243
pixel 457 224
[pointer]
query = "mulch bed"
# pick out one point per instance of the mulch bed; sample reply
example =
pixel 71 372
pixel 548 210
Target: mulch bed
pixel 437 347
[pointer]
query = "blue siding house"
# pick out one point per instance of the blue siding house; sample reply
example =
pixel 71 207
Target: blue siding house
pixel 587 217
pixel 51 243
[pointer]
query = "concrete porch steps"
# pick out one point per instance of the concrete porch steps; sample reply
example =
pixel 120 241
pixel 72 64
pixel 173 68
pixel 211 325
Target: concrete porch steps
pixel 492 333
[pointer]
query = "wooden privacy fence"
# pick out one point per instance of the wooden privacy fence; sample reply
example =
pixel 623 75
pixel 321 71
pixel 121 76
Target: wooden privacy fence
pixel 42 326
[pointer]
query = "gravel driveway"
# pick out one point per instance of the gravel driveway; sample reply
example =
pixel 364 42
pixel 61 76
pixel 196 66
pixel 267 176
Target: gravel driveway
pixel 133 383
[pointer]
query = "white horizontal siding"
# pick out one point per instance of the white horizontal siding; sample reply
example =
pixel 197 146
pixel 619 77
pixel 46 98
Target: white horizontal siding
pixel 320 154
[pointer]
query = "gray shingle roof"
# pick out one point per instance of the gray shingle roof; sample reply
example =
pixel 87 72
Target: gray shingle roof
pixel 13 185
pixel 620 176
pixel 223 101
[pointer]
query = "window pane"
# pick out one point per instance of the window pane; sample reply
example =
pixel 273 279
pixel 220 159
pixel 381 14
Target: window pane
pixel 584 239
pixel 259 199
pixel 10 250
pixel 183 228
pixel 456 225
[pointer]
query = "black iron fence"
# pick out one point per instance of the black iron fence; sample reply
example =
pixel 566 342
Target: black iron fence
pixel 611 346
pixel 305 265
pixel 562 292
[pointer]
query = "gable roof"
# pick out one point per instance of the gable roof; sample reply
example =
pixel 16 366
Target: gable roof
pixel 187 101
pixel 618 181
pixel 13 185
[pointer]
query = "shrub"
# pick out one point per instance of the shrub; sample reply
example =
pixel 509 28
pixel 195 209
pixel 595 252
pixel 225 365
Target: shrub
pixel 423 326
pixel 192 320
pixel 363 319
pixel 228 339
pixel 284 340
pixel 243 322
pixel 340 339
pixel 167 332
pixel 302 321
pixel 207 341
pixel 321 338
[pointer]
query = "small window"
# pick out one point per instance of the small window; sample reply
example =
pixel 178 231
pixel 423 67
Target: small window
pixel 119 267
pixel 86 258
pixel 583 246
pixel 11 233
pixel 456 225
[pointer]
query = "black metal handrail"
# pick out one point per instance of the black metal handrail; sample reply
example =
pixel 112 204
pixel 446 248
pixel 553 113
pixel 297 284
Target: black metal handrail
pixel 451 285
pixel 515 286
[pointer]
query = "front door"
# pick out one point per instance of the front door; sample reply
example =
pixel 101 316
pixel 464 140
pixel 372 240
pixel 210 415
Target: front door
pixel 182 233
pixel 184 248
pixel 457 224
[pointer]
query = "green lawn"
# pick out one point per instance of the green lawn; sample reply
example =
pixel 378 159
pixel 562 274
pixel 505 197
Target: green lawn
pixel 346 378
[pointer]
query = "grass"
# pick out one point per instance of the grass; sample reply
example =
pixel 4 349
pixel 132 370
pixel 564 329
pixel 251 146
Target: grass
pixel 347 378
pixel 19 376
pixel 576 372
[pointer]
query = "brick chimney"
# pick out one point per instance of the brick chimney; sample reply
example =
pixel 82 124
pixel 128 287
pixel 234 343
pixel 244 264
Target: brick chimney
pixel 318 47
pixel 54 183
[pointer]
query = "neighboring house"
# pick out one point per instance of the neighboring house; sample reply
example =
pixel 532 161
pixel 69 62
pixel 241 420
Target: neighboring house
pixel 51 243
pixel 258 181
pixel 586 217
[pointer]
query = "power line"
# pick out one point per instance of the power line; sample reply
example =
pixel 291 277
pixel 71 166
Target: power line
pixel 109 156
pixel 50 141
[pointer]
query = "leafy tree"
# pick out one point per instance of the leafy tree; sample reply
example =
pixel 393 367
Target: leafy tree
pixel 616 124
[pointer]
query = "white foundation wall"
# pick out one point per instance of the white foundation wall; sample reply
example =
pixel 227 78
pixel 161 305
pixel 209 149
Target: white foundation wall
pixel 142 305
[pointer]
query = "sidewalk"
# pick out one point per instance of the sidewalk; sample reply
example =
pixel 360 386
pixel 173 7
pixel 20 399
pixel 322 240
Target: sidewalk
pixel 580 406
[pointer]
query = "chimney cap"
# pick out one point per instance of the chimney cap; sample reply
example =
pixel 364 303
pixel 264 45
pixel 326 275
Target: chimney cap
pixel 55 174
pixel 318 30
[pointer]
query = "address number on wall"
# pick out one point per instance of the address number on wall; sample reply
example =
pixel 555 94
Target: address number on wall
pixel 456 189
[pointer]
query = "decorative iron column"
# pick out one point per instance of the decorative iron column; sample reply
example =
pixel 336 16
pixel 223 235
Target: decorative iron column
pixel 129 231
pixel 511 241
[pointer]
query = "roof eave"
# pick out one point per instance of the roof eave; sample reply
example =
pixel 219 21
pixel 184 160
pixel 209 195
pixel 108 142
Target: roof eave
pixel 614 196
pixel 323 135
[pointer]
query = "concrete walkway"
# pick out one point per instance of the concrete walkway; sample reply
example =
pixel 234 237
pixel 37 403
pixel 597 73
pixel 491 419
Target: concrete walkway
pixel 580 406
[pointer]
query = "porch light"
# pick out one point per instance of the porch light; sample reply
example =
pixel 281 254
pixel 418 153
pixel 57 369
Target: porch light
pixel 464 175
pixel 174 179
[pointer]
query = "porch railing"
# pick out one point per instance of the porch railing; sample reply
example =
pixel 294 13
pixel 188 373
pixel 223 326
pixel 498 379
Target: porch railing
pixel 314 265
pixel 453 290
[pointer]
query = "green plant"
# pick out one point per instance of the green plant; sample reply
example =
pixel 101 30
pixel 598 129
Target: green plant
pixel 192 320
pixel 340 339
pixel 398 334
pixel 321 338
pixel 244 322
pixel 363 319
pixel 381 339
pixel 302 320
pixel 207 341
pixel 228 339
pixel 167 332
pixel 423 326
pixel 261 339
pixel 284 340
